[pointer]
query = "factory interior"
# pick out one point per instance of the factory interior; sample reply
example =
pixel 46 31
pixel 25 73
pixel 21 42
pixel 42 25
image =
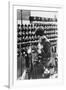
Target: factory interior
pixel 37 35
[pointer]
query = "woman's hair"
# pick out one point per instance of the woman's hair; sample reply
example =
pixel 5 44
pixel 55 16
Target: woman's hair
pixel 39 32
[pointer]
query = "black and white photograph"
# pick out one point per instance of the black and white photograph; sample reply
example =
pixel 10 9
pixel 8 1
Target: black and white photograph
pixel 37 37
pixel 33 45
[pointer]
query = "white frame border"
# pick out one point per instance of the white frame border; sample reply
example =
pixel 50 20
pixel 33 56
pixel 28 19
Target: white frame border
pixel 12 73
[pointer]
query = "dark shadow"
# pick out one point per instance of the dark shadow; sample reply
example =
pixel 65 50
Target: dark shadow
pixel 7 86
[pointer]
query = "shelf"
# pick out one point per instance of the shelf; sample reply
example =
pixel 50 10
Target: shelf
pixel 28 42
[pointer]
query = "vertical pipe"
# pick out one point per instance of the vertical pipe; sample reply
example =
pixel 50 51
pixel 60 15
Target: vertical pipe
pixel 21 17
pixel 20 46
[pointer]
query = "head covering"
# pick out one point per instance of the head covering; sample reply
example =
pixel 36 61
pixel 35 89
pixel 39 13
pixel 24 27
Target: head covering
pixel 39 32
